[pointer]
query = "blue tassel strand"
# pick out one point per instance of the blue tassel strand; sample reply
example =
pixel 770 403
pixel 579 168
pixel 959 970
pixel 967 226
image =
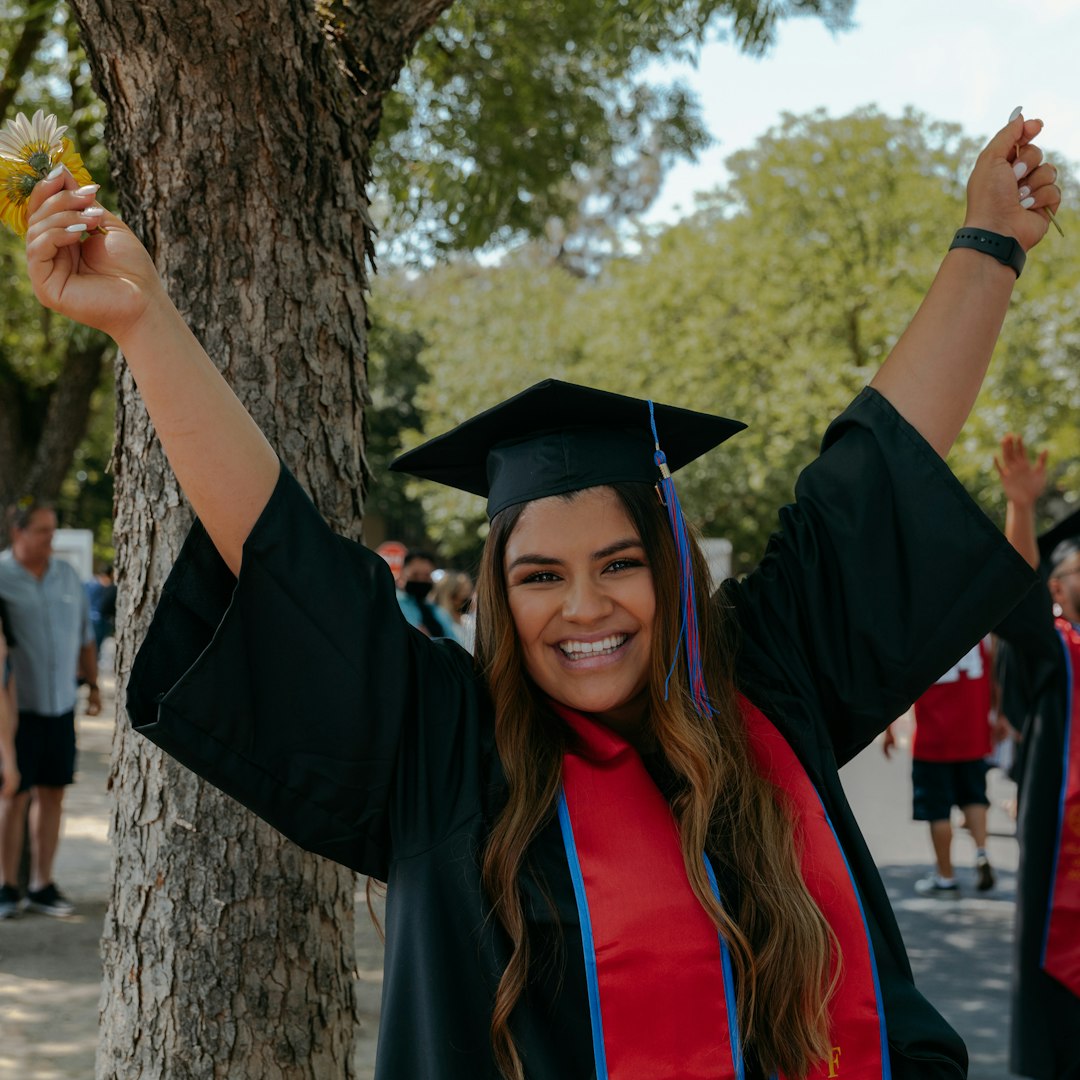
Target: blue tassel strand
pixel 689 640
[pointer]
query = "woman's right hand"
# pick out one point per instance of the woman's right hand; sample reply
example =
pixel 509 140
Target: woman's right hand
pixel 996 195
pixel 104 280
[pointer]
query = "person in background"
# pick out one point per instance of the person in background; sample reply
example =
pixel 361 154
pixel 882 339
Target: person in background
pixel 9 767
pixel 454 595
pixel 1042 652
pixel 414 586
pixel 101 593
pixel 50 618
pixel 951 742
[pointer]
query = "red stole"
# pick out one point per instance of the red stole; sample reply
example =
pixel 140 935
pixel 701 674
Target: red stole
pixel 1061 950
pixel 662 1000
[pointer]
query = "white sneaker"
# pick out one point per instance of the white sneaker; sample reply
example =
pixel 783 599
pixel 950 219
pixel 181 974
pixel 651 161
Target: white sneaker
pixel 932 885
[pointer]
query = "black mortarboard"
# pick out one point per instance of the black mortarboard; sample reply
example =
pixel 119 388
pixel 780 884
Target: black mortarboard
pixel 1060 542
pixel 557 437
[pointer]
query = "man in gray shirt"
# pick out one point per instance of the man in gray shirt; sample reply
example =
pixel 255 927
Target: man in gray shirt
pixel 50 619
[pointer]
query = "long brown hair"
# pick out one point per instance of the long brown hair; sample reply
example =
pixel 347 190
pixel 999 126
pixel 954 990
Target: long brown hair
pixel 785 955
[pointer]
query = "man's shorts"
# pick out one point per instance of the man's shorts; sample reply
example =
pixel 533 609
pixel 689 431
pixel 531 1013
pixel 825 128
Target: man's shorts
pixel 45 750
pixel 938 786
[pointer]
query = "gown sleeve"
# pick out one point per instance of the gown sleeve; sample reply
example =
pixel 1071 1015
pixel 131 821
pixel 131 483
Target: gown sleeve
pixel 882 575
pixel 300 690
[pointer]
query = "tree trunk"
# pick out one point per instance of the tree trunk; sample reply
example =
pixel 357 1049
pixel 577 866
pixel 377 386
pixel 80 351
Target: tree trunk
pixel 67 416
pixel 41 427
pixel 239 138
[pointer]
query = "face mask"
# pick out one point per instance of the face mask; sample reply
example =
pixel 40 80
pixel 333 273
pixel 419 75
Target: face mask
pixel 418 589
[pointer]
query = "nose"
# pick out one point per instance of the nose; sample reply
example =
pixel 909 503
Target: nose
pixel 585 601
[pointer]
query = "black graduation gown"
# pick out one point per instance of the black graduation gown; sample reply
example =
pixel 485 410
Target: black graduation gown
pixel 1045 1037
pixel 302 692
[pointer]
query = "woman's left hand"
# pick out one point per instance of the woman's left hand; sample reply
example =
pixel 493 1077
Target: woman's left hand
pixel 1009 173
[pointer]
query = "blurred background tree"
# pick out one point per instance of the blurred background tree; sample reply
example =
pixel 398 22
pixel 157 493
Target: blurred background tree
pixel 55 378
pixel 774 303
pixel 532 142
pixel 510 122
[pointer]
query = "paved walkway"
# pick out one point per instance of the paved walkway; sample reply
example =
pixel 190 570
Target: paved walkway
pixel 50 969
pixel 960 949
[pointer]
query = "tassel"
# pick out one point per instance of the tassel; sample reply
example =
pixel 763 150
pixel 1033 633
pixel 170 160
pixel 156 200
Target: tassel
pixel 689 639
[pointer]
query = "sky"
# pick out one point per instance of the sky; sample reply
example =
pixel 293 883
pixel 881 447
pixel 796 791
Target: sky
pixel 965 61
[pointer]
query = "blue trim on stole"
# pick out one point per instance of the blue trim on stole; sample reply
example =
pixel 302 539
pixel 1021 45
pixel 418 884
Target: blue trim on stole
pixel 599 1052
pixel 886 1063
pixel 1069 676
pixel 729 984
pixel 592 981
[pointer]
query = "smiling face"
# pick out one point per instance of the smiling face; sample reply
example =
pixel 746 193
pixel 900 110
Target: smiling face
pixel 581 596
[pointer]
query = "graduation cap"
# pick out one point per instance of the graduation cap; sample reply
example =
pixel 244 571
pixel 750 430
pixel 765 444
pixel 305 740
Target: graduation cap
pixel 557 437
pixel 1060 542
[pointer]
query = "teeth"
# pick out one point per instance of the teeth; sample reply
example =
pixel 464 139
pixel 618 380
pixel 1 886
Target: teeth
pixel 592 648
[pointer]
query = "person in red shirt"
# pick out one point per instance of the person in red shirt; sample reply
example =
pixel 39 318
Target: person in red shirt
pixel 948 765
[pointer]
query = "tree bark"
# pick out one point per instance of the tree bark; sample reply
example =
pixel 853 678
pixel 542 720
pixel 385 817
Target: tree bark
pixel 239 138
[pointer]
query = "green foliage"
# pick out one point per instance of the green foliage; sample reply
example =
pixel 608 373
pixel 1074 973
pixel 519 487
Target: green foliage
pixel 514 118
pixel 396 378
pixel 53 76
pixel 529 118
pixel 775 304
pixel 86 497
pixel 1033 387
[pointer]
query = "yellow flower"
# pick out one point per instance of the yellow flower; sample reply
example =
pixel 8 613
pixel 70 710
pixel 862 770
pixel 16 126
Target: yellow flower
pixel 29 151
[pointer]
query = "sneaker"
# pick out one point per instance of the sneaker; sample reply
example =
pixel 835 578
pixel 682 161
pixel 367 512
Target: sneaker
pixel 984 874
pixel 931 885
pixel 9 902
pixel 49 901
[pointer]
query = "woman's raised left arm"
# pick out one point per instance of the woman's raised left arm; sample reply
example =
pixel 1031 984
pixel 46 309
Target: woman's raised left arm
pixel 934 372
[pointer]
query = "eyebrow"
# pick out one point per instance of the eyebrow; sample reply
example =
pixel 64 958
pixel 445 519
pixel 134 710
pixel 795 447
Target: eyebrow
pixel 603 553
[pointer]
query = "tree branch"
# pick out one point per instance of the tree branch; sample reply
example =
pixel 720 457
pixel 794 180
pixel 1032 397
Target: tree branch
pixel 34 29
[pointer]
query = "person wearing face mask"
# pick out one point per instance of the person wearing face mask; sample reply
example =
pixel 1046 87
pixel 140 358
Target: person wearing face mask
pixel 414 585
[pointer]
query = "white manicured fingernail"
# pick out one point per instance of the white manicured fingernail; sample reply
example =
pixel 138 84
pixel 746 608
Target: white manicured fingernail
pixel 1019 169
pixel 97 211
pixel 1015 113
pixel 80 226
pixel 55 173
pixel 88 189
pixel 1024 192
pixel 1028 203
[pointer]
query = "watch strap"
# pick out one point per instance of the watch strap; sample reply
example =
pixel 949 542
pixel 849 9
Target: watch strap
pixel 1006 249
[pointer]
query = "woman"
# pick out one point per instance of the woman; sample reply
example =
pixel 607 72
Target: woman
pixel 617 845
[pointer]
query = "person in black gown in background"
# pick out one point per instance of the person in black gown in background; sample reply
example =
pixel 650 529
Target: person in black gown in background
pixel 616 844
pixel 1041 652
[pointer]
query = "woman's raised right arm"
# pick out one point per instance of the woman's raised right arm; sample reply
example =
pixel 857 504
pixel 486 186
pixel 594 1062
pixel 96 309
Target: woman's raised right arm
pixel 221 459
